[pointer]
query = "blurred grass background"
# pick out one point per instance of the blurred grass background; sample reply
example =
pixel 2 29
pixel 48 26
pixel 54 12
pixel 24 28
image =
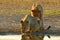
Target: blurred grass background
pixel 11 12
pixel 24 6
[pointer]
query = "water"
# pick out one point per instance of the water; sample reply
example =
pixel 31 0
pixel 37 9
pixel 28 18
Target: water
pixel 10 37
pixel 52 38
pixel 18 37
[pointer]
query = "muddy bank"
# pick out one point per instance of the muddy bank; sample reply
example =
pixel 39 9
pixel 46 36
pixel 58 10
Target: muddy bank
pixel 10 22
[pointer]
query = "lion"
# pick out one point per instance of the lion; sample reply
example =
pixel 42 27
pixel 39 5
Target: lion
pixel 24 24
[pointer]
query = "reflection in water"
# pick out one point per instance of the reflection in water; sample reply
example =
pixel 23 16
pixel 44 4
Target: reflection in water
pixel 32 37
pixel 18 37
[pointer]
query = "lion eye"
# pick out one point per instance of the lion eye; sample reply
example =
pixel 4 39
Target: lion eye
pixel 21 21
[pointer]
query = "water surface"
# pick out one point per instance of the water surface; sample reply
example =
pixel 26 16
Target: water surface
pixel 18 37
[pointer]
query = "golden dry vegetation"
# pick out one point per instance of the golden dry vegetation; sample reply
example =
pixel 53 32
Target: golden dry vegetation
pixel 24 6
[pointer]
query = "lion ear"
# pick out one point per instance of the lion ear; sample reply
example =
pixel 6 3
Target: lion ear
pixel 21 21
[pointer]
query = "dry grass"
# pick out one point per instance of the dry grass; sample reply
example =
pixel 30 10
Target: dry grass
pixel 24 6
pixel 21 6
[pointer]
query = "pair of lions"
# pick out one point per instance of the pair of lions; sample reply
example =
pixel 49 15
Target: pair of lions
pixel 25 26
pixel 33 23
pixel 30 24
